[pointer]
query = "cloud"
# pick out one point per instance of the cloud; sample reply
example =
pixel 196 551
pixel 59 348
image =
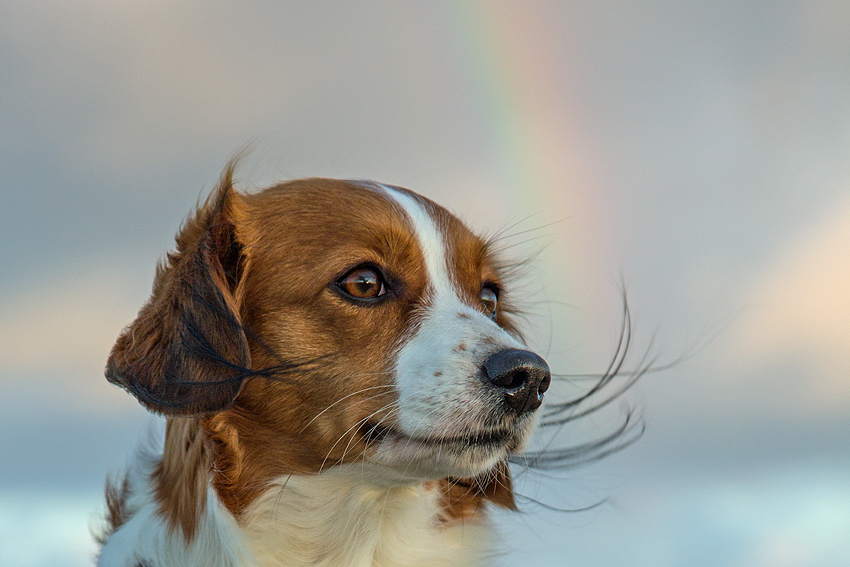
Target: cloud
pixel 55 337
pixel 123 80
pixel 69 322
pixel 798 313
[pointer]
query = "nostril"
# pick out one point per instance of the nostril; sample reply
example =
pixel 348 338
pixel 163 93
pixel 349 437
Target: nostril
pixel 517 379
pixel 544 384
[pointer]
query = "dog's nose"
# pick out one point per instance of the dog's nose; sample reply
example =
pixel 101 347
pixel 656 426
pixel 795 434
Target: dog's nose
pixel 521 375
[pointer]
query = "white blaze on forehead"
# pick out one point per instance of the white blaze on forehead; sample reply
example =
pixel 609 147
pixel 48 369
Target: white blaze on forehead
pixel 441 393
pixel 431 241
pixel 438 371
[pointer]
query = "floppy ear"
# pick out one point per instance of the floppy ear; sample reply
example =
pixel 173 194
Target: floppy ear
pixel 186 353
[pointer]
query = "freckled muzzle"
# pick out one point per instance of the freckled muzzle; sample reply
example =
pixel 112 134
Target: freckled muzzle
pixel 520 375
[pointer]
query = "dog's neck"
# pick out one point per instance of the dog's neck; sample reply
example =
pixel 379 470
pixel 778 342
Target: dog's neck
pixel 344 517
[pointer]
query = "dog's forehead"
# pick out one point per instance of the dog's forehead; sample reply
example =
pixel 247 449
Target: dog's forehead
pixel 318 199
pixel 312 216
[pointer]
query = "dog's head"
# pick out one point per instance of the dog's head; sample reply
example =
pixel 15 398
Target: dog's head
pixel 322 322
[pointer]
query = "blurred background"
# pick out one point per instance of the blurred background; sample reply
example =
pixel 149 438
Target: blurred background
pixel 696 154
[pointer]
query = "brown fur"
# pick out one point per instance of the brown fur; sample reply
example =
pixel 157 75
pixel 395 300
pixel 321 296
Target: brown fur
pixel 191 293
pixel 116 508
pixel 181 477
pixel 463 499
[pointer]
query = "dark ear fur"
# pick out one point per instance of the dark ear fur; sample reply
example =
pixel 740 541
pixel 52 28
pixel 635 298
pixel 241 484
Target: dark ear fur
pixel 186 353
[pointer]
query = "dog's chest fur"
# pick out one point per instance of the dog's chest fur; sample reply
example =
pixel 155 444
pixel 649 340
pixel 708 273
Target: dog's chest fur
pixel 333 520
pixel 330 520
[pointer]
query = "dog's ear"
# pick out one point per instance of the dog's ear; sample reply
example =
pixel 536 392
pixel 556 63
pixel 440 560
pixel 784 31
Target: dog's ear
pixel 186 353
pixel 462 498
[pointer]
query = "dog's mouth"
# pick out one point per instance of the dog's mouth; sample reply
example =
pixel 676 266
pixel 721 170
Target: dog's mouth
pixel 377 433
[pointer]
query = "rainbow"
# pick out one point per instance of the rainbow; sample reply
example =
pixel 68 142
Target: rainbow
pixel 521 98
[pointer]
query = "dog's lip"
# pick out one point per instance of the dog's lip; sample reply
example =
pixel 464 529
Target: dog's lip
pixel 376 432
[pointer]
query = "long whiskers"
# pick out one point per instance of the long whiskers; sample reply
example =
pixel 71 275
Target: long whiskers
pixel 359 423
pixel 557 415
pixel 351 395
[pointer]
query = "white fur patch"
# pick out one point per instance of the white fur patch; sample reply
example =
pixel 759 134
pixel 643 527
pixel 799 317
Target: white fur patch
pixel 337 520
pixel 145 538
pixel 431 242
pixel 330 520
pixel 438 369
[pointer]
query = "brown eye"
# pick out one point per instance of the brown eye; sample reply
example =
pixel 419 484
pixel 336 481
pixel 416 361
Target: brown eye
pixel 362 283
pixel 489 300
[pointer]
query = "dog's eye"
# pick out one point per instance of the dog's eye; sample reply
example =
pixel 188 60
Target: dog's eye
pixel 489 300
pixel 362 283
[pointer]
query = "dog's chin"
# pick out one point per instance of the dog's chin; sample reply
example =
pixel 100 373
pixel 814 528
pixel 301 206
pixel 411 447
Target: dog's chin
pixel 435 457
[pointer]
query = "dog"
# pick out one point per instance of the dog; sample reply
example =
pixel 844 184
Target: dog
pixel 343 381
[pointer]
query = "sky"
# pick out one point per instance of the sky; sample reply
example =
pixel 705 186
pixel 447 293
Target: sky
pixel 695 154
